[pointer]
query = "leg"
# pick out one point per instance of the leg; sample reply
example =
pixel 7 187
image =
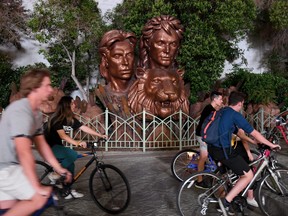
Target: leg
pixel 203 157
pixel 15 186
pixel 66 156
pixel 27 207
pixel 240 185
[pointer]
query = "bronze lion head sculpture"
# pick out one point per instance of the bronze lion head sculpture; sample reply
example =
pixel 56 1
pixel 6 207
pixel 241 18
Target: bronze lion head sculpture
pixel 159 91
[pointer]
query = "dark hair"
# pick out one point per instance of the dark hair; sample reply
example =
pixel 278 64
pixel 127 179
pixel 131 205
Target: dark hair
pixel 236 97
pixel 63 112
pixel 32 79
pixel 215 94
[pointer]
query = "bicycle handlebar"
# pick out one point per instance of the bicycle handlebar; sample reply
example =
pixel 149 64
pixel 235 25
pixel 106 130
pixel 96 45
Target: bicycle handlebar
pixel 262 147
pixel 94 144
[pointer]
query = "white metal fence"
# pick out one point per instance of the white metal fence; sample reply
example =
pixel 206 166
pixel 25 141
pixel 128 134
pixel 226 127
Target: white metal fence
pixel 145 131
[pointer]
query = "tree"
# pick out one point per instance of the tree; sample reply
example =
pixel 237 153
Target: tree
pixel 259 88
pixel 271 31
pixel 7 77
pixel 73 29
pixel 212 30
pixel 12 22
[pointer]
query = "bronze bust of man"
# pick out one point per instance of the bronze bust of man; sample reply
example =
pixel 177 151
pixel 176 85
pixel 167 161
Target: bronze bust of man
pixel 160 41
pixel 117 67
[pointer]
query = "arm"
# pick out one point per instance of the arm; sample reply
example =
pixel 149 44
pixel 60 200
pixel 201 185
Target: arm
pixel 258 136
pixel 46 152
pixel 67 138
pixel 88 130
pixel 243 137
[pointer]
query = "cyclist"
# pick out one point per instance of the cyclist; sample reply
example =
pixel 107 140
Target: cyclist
pixel 58 124
pixel 20 126
pixel 215 104
pixel 230 119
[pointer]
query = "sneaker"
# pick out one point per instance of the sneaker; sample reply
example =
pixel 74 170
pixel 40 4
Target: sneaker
pixel 252 202
pixel 74 194
pixel 201 185
pixel 53 177
pixel 223 208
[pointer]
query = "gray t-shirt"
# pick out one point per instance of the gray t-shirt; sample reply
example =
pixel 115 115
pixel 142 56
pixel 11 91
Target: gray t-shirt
pixel 17 120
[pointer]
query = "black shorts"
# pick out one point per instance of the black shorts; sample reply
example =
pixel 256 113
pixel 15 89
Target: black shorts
pixel 235 161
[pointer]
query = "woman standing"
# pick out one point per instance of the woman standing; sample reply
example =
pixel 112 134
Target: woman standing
pixel 59 123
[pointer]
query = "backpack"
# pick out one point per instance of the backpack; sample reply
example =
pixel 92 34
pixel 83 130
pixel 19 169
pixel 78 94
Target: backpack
pixel 210 130
pixel 210 127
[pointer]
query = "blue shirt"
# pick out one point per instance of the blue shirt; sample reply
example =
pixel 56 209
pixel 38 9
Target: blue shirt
pixel 230 119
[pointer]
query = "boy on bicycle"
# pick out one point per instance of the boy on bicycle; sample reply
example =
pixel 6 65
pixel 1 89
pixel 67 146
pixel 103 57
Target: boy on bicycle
pixel 21 193
pixel 215 104
pixel 231 118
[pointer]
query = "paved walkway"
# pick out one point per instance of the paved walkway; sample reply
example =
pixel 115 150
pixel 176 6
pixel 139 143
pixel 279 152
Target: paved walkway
pixel 153 187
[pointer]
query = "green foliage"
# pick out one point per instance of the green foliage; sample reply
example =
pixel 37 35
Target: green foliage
pixel 259 88
pixel 7 77
pixel 279 14
pixel 212 30
pixel 69 27
pixel 271 28
pixel 12 22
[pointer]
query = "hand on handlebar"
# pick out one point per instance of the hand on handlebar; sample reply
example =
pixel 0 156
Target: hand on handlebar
pixel 104 136
pixel 276 147
pixel 83 144
pixel 66 173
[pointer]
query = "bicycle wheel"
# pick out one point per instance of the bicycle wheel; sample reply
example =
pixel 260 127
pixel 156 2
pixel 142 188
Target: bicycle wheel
pixel 185 163
pixel 42 170
pixel 109 188
pixel 194 201
pixel 274 202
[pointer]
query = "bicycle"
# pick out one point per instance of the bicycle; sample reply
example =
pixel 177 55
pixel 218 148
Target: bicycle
pixel 280 130
pixel 108 186
pixel 185 163
pixel 272 190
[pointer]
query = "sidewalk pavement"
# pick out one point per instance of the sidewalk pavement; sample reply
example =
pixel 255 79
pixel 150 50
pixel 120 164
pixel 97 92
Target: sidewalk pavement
pixel 153 187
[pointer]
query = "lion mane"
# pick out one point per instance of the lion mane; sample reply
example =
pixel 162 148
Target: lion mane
pixel 160 92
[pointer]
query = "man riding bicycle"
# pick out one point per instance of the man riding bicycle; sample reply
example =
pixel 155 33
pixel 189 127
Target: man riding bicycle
pixel 21 126
pixel 230 120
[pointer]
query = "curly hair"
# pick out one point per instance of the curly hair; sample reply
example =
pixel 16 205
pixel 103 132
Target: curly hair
pixel 165 22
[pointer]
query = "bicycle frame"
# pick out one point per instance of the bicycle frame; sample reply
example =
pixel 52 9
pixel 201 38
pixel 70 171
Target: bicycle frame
pixel 85 167
pixel 282 129
pixel 208 167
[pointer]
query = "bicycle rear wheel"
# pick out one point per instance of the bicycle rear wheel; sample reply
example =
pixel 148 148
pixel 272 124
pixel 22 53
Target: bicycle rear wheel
pixel 274 202
pixel 109 188
pixel 42 170
pixel 194 201
pixel 185 163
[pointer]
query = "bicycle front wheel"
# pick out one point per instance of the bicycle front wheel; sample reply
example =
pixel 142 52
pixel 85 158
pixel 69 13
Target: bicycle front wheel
pixel 109 188
pixel 185 163
pixel 42 171
pixel 274 202
pixel 194 201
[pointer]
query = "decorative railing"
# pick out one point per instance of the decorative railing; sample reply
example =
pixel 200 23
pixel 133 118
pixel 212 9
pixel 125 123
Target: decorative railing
pixel 145 131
